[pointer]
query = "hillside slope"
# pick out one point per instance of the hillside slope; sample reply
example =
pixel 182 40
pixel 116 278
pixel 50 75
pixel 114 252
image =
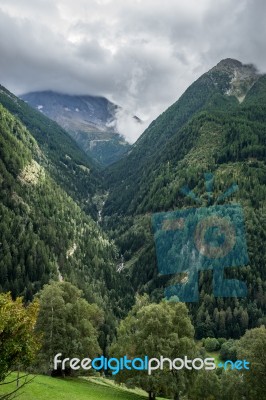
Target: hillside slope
pixel 223 85
pixel 76 388
pixel 44 234
pixel 69 166
pixel 218 126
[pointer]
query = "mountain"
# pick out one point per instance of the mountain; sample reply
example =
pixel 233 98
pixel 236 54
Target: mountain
pixel 90 120
pixel 51 192
pixel 217 126
pixel 226 83
pixel 68 165
pixel 44 232
pixel 37 242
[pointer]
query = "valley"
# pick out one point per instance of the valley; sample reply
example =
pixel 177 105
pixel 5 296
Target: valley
pixel 77 226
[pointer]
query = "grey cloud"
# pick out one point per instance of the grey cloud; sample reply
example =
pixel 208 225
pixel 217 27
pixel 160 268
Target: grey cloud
pixel 140 54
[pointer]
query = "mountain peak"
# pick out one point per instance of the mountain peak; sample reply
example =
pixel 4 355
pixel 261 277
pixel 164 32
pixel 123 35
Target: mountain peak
pixel 240 77
pixel 229 63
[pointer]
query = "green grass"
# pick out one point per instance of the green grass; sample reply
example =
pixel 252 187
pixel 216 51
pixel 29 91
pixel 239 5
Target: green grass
pixel 45 387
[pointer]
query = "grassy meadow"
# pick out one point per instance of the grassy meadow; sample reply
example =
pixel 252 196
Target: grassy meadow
pixel 46 387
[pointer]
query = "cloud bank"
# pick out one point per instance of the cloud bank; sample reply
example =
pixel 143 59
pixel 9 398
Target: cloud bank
pixel 141 54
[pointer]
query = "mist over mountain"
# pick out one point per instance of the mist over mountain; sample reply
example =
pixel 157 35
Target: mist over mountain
pixel 90 120
pixel 225 84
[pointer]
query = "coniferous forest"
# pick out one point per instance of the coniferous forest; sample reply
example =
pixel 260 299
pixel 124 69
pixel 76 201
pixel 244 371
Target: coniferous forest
pixel 79 272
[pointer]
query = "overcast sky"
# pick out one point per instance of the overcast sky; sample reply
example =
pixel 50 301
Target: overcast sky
pixel 141 54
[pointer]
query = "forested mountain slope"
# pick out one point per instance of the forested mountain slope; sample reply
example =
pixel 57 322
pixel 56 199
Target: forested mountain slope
pixel 44 234
pixel 164 140
pixel 217 126
pixel 49 191
pixel 69 166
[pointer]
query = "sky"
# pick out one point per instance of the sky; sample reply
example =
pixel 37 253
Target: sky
pixel 140 54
